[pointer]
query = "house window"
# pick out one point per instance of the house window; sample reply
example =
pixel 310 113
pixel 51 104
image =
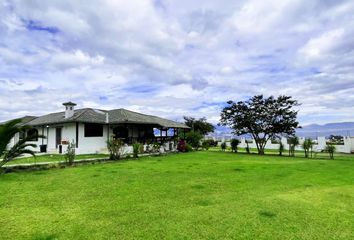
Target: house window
pixel 33 134
pixel 93 130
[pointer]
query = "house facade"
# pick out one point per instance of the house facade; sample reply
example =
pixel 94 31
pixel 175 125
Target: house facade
pixel 90 129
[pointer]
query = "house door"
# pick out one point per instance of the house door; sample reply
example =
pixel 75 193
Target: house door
pixel 57 136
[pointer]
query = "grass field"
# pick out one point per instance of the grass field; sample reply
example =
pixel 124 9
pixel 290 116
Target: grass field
pixel 200 195
pixel 61 157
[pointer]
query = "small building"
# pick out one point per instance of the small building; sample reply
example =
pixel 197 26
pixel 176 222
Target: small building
pixel 90 129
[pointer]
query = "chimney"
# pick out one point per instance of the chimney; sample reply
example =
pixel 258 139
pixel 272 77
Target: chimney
pixel 69 109
pixel 107 118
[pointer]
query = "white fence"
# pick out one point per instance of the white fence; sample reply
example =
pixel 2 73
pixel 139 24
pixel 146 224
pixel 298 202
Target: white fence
pixel 320 144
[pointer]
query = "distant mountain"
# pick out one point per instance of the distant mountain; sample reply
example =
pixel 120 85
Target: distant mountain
pixel 312 130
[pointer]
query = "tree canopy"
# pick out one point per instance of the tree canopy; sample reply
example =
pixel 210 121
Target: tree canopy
pixel 262 118
pixel 199 125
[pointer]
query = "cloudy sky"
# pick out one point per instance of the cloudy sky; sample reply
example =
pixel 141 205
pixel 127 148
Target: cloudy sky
pixel 176 57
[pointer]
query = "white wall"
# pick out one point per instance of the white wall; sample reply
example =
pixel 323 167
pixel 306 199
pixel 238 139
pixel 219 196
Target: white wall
pixel 348 146
pixel 91 144
pixel 86 145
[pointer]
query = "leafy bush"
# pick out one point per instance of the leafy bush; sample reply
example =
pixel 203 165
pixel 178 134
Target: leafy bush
pixel 181 145
pixel 211 142
pixel 307 146
pixel 189 148
pixel 293 142
pixel 156 147
pixel 70 154
pixel 223 146
pixel 136 149
pixel 234 144
pixel 205 145
pixel 330 149
pixel 115 148
pixel 148 148
pixel 335 140
pixel 193 139
pixel 141 149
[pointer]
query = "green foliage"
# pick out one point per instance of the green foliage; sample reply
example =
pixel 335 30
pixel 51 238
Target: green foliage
pixel 263 118
pixel 336 140
pixel 307 145
pixel 115 148
pixel 156 147
pixel 193 139
pixel 293 141
pixel 7 132
pixel 205 144
pixel 189 148
pixel 211 142
pixel 199 125
pixel 223 146
pixel 330 148
pixel 70 153
pixel 136 149
pixel 234 144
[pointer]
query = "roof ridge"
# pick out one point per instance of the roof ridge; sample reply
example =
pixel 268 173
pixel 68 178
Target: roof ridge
pixel 136 112
pixel 85 110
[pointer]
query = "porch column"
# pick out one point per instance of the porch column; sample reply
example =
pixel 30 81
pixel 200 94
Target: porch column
pixel 77 134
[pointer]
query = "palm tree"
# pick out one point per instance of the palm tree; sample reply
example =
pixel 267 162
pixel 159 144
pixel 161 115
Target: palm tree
pixel 7 132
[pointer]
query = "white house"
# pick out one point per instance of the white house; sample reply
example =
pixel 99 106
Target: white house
pixel 90 129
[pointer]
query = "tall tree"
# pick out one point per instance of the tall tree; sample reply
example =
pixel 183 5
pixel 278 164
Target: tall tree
pixel 262 118
pixel 199 125
pixel 293 141
pixel 307 146
pixel 7 132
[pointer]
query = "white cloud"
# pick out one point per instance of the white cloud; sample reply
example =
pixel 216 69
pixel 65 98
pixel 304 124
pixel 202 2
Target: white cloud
pixel 74 59
pixel 176 58
pixel 322 45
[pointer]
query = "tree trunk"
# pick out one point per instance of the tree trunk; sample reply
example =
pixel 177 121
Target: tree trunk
pixel 261 149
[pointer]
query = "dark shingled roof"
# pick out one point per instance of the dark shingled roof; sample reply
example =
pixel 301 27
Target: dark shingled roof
pixel 116 116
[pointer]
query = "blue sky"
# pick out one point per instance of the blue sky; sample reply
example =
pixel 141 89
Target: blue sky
pixel 175 58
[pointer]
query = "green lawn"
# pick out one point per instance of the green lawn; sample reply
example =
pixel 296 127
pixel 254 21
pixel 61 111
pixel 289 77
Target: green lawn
pixel 201 195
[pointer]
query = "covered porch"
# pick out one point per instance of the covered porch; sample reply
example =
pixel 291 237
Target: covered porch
pixel 145 133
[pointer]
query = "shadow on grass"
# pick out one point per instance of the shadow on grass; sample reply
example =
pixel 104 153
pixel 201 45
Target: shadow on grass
pixel 296 157
pixel 267 214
